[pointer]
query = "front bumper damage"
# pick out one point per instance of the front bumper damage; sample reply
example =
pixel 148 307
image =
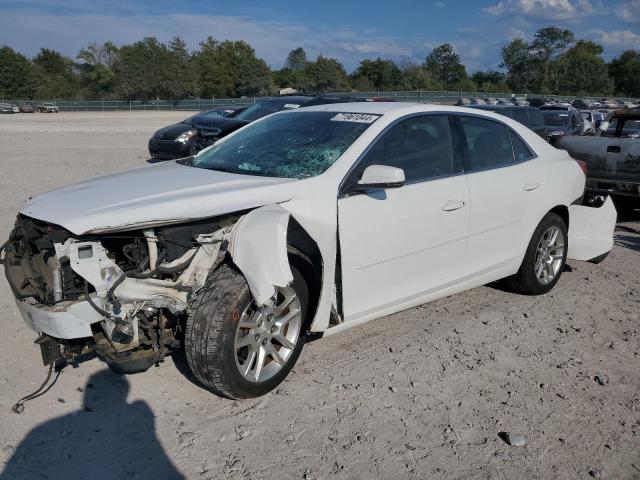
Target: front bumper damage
pixel 77 292
pixel 129 293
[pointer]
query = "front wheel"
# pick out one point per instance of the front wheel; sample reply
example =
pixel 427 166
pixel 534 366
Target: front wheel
pixel 237 349
pixel 544 259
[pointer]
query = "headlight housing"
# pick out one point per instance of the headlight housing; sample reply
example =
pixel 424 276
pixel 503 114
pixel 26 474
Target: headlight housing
pixel 186 136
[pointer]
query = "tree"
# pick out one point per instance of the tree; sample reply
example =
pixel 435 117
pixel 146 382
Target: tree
pixel 381 74
pixel 490 81
pixel 94 54
pixel 55 75
pixel 327 75
pixel 296 60
pixel 444 64
pixel 417 77
pixel 582 71
pixel 230 69
pixel 625 71
pixel 548 44
pixel 17 79
pixel 521 72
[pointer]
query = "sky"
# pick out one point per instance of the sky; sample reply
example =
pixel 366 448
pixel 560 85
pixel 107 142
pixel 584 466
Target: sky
pixel 401 30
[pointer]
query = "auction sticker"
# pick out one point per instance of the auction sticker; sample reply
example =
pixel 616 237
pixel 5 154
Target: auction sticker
pixel 355 117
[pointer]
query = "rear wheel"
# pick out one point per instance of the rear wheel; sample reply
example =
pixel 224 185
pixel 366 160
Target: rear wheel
pixel 544 259
pixel 237 349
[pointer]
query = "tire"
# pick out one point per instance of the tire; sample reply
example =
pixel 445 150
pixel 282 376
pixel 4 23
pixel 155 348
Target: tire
pixel 214 329
pixel 528 280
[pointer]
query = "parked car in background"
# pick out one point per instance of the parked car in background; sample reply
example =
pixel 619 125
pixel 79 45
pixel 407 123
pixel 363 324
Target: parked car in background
pixel 529 116
pixel 306 222
pixel 48 107
pixel 609 103
pixel 6 108
pixel 520 101
pixel 579 104
pixel 26 108
pixel 203 129
pixel 491 101
pixel 562 120
pixel 592 120
pixel 612 157
pixel 15 108
pixel 463 102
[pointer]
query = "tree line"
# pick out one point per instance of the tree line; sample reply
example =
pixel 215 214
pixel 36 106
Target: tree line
pixel 554 62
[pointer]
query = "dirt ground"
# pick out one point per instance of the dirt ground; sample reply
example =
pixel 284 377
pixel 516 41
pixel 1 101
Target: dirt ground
pixel 420 394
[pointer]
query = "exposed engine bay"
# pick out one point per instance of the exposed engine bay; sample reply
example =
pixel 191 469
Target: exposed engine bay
pixel 123 295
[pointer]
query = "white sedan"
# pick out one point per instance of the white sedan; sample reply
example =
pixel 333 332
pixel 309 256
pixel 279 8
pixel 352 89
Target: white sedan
pixel 306 222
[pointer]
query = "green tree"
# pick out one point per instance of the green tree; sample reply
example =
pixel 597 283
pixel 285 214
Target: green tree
pixel 490 81
pixel 327 75
pixel 298 79
pixel 417 77
pixel 230 69
pixel 625 71
pixel 381 74
pixel 582 71
pixel 55 75
pixel 94 54
pixel 296 60
pixel 445 66
pixel 17 79
pixel 547 46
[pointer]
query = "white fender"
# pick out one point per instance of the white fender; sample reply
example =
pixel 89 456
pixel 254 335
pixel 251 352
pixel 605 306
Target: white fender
pixel 258 247
pixel 591 230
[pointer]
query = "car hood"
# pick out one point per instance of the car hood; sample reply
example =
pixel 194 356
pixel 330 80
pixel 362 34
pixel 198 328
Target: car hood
pixel 172 131
pixel 153 195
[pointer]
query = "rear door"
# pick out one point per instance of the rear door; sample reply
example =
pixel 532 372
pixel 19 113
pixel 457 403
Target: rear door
pixel 502 181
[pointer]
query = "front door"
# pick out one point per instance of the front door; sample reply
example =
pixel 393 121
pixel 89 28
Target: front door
pixel 401 243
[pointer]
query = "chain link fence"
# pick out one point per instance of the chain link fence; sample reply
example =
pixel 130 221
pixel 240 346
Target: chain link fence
pixel 199 104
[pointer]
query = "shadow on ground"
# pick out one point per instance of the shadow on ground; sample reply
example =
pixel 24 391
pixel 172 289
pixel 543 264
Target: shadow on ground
pixel 108 438
pixel 628 241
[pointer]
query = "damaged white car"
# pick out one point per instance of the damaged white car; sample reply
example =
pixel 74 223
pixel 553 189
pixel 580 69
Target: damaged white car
pixel 303 223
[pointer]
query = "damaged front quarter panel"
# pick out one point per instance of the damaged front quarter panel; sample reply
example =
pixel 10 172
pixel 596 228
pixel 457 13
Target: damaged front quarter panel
pixel 259 249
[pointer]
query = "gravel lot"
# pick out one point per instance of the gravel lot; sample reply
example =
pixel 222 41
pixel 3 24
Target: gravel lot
pixel 420 394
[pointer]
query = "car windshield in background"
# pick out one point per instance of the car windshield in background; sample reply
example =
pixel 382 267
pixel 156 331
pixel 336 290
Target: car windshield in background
pixel 556 118
pixel 292 145
pixel 264 108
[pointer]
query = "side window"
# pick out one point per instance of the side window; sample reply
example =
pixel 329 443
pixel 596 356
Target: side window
pixel 521 150
pixel 488 143
pixel 421 146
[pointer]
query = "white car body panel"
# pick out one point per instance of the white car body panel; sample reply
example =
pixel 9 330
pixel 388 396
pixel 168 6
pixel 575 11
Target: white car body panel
pixel 264 264
pixel 392 242
pixel 154 195
pixel 591 230
pixel 396 253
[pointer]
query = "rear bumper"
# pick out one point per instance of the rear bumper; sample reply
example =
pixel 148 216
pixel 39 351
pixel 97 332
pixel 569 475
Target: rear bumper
pixel 591 231
pixel 168 149
pixel 64 320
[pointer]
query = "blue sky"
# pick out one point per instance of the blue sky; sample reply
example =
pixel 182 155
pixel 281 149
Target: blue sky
pixel 402 30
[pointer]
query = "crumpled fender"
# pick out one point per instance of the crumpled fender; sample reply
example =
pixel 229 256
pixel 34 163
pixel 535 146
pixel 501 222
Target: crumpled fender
pixel 591 230
pixel 258 247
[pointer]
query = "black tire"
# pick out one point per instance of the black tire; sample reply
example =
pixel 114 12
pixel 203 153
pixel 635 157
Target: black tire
pixel 525 280
pixel 211 329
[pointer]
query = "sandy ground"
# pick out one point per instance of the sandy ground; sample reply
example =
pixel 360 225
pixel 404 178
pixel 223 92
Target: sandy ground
pixel 420 394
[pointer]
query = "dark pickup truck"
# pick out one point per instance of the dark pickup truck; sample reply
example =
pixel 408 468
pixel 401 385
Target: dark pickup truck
pixel 612 157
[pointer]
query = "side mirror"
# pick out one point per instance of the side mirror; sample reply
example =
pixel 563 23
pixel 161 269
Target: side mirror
pixel 380 176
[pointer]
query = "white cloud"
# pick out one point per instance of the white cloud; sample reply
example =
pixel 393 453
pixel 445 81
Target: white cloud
pixel 629 11
pixel 543 9
pixel 625 39
pixel 272 40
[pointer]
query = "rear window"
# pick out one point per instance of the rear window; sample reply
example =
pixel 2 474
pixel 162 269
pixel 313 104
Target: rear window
pixel 535 117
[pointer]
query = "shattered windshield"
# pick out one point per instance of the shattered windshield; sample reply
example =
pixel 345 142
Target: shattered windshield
pixel 291 145
pixel 556 118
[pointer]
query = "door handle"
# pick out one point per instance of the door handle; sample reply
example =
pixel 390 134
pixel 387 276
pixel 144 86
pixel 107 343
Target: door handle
pixel 452 205
pixel 531 186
